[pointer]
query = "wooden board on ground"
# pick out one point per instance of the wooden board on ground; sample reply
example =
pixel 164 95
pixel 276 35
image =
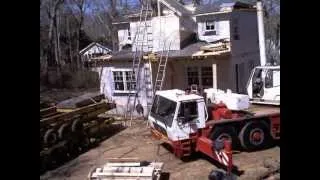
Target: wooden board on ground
pixel 80 101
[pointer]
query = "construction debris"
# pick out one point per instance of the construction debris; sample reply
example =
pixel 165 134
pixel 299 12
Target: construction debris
pixel 216 48
pixel 220 46
pixel 127 170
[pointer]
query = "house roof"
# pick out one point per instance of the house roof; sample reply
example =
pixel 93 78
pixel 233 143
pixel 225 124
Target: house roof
pixel 176 7
pixel 236 4
pixel 190 51
pixel 206 9
pixel 94 44
pixel 173 5
pixel 220 9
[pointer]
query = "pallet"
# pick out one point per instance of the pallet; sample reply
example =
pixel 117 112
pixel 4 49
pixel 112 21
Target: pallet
pixel 130 170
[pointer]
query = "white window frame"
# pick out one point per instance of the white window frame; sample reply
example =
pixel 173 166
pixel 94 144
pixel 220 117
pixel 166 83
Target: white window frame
pixel 123 71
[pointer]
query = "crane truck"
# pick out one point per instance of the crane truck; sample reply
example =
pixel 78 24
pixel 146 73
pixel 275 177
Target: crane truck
pixel 188 124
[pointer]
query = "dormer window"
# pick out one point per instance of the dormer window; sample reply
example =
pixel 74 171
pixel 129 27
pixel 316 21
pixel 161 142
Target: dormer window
pixel 210 26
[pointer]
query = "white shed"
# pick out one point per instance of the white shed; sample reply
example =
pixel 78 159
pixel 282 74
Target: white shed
pixel 94 50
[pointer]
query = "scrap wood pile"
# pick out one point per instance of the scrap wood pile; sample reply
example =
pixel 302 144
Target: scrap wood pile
pixel 214 48
pixel 126 169
pixel 221 45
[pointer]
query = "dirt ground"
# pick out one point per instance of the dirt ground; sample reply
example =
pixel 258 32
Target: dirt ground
pixel 136 142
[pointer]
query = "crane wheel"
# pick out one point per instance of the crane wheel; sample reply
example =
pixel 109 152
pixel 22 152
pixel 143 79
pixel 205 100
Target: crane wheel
pixel 63 131
pixel 224 132
pixel 254 135
pixel 216 175
pixel 50 137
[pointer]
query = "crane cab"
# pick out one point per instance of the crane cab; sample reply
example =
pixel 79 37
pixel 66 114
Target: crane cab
pixel 264 85
pixel 177 115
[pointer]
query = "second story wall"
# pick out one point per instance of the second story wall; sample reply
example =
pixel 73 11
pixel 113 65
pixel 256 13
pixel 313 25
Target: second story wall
pixel 124 34
pixel 166 30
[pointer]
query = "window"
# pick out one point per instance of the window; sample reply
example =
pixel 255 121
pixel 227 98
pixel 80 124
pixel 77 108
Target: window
pixel 272 78
pixel 124 81
pixel 206 76
pixel 163 109
pixel 202 76
pixel 192 107
pixel 210 25
pixel 193 75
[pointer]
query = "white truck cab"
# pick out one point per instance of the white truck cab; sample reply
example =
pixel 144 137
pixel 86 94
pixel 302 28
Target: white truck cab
pixel 264 85
pixel 177 114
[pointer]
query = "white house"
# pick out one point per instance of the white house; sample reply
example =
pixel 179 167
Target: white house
pixel 188 29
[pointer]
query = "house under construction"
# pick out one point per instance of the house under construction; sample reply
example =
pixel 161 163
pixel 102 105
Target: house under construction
pixel 184 44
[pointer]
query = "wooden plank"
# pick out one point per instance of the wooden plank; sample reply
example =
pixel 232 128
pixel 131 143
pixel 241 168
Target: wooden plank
pixel 220 47
pixel 47 111
pixel 117 164
pixel 122 159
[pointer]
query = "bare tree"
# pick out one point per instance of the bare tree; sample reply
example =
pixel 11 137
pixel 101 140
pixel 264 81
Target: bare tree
pixel 52 7
pixel 110 14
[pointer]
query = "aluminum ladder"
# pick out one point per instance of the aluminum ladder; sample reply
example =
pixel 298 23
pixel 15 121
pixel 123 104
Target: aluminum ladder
pixel 142 30
pixel 161 73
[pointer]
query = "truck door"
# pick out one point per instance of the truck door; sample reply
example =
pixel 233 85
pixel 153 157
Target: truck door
pixel 272 84
pixel 191 116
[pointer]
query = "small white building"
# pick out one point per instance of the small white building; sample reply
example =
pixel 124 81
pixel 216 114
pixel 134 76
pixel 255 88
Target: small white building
pixel 94 50
pixel 188 30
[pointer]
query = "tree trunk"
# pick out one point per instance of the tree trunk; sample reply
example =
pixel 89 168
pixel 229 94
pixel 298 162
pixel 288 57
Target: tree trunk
pixel 49 46
pixel 58 39
pixel 80 24
pixel 114 35
pixel 69 43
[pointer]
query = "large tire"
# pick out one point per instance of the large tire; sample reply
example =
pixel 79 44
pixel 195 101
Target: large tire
pixel 50 137
pixel 227 132
pixel 216 175
pixel 76 126
pixel 254 135
pixel 64 131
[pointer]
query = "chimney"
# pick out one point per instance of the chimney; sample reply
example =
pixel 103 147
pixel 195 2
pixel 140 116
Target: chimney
pixel 262 48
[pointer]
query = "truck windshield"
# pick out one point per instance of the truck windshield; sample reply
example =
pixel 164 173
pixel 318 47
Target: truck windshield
pixel 163 110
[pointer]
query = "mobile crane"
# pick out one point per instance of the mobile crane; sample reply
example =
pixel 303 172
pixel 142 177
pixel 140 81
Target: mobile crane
pixel 188 124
